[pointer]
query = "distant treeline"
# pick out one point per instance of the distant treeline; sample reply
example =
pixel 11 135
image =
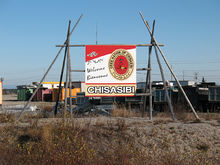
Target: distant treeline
pixel 9 91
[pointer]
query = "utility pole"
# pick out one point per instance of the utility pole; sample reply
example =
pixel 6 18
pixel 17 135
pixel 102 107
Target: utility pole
pixel 171 77
pixel 96 34
pixel 183 75
pixel 196 76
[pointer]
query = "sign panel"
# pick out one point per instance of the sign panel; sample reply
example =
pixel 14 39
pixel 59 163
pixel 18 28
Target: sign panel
pixel 110 70
pixel 1 97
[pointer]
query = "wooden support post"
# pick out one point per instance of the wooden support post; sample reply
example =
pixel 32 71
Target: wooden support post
pixel 67 72
pixel 62 70
pixel 148 78
pixel 70 85
pixel 150 88
pixel 165 86
pixel 162 54
pixel 39 85
pixel 146 87
pixel 60 84
pixel 179 85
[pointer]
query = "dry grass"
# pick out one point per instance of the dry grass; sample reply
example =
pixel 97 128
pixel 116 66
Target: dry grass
pixel 210 116
pixel 185 115
pixel 6 118
pixel 123 112
pixel 103 142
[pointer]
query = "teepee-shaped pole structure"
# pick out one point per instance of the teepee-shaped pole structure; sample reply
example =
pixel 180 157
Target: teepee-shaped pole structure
pixel 49 68
pixel 156 46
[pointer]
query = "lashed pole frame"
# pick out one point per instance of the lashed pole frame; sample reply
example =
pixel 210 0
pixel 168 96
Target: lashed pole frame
pixel 162 54
pixel 39 85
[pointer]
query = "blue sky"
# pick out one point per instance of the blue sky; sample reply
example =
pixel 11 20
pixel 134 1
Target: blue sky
pixel 29 31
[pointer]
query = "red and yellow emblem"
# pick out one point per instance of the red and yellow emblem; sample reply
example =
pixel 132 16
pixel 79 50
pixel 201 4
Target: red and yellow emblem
pixel 121 64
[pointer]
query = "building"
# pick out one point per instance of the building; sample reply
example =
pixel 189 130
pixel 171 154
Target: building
pixel 51 85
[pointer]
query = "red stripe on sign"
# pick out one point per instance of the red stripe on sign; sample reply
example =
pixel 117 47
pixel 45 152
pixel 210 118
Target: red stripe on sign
pixel 95 51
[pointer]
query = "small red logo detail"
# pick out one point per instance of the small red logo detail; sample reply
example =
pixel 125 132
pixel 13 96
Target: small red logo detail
pixel 121 64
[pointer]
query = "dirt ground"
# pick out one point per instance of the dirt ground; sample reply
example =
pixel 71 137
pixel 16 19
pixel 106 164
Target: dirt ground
pixel 9 100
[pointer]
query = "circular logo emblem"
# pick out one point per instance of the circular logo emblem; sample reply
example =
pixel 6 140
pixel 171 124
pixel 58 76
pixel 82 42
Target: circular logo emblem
pixel 121 64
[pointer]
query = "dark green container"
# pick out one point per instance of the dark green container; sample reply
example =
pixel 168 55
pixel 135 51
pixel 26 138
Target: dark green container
pixel 23 94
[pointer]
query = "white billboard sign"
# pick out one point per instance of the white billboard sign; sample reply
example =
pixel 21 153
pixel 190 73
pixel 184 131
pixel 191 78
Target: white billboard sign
pixel 110 70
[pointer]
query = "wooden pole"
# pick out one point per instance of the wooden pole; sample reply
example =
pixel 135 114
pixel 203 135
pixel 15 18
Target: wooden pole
pixel 60 84
pixel 75 25
pixel 39 85
pixel 150 90
pixel 67 72
pixel 148 78
pixel 146 85
pixel 162 54
pixel 70 85
pixel 61 74
pixel 179 85
pixel 165 86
